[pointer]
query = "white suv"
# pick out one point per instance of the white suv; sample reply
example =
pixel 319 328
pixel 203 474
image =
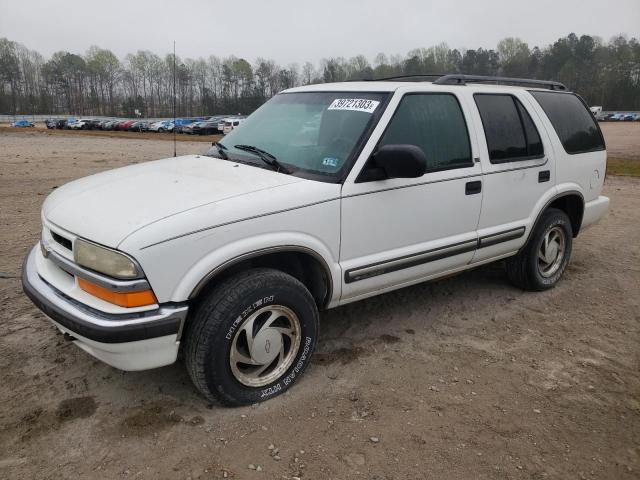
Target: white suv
pixel 328 194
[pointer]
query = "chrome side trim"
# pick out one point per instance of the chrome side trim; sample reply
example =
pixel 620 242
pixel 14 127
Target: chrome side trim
pixel 388 266
pixel 380 268
pixel 500 237
pixel 265 251
pixel 102 280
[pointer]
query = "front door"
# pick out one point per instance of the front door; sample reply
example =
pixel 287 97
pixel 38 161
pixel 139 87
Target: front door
pixel 400 231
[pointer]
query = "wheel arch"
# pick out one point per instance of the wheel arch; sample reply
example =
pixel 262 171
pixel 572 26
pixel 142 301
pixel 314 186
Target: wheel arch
pixel 302 263
pixel 571 202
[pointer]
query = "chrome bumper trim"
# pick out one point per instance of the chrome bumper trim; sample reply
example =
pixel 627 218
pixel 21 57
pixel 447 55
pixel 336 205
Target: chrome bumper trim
pixel 94 324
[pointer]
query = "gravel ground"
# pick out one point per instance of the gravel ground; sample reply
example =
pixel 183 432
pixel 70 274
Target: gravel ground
pixel 465 378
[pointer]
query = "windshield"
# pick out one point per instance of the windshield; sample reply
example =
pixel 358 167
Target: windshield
pixel 313 134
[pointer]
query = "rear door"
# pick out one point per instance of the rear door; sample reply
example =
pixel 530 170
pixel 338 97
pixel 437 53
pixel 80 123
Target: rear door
pixel 518 170
pixel 404 230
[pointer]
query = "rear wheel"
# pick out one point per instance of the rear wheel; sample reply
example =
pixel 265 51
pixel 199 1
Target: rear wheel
pixel 251 337
pixel 545 257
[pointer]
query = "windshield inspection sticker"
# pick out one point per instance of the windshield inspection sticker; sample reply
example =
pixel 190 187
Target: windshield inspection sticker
pixel 330 162
pixel 354 104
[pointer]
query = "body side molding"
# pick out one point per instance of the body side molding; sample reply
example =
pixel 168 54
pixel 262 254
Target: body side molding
pixel 408 261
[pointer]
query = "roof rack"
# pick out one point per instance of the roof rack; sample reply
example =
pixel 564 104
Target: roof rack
pixel 457 79
pixel 460 79
pixel 402 77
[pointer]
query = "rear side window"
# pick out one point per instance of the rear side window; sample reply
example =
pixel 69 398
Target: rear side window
pixel 511 134
pixel 435 123
pixel 574 124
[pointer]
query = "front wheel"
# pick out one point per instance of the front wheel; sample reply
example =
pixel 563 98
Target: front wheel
pixel 251 337
pixel 543 260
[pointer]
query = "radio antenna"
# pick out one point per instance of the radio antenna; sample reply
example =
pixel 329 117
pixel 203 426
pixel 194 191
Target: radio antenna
pixel 174 98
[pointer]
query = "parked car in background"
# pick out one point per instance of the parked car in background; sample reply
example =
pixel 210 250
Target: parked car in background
pixel 50 123
pixel 188 129
pixel 124 126
pixel 22 124
pixel 161 126
pixel 219 120
pixel 231 123
pixel 205 128
pixel 630 117
pixel 61 123
pixel 139 126
pixel 616 117
pixel 603 117
pixel 94 123
pixel 82 124
pixel 180 123
pixel 221 123
pixel 70 122
pixel 155 126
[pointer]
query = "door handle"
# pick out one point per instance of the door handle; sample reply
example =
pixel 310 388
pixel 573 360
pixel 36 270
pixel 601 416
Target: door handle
pixel 544 176
pixel 473 188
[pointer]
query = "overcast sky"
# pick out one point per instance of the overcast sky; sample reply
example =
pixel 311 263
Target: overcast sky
pixel 299 30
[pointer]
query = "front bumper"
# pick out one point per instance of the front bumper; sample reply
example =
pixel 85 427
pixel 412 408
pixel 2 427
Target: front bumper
pixel 135 341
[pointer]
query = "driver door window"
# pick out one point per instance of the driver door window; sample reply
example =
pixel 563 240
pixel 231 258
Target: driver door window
pixel 436 124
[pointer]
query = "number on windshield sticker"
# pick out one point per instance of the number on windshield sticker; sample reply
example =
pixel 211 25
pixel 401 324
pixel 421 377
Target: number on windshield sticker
pixel 354 104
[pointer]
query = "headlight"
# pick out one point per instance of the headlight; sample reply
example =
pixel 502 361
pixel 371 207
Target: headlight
pixel 105 261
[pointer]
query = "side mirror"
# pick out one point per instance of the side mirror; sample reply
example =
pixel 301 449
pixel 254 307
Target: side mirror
pixel 400 161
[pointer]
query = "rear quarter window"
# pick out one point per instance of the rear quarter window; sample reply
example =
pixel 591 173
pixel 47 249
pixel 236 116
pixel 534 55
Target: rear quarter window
pixel 572 121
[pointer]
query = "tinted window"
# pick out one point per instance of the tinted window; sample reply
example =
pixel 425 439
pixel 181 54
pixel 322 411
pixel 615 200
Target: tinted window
pixel 534 144
pixel 435 123
pixel 571 120
pixel 510 133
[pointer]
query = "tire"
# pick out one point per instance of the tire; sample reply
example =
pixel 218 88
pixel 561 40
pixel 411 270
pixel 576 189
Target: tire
pixel 531 269
pixel 217 336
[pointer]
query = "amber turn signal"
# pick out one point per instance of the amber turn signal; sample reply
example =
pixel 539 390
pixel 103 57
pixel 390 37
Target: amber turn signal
pixel 123 299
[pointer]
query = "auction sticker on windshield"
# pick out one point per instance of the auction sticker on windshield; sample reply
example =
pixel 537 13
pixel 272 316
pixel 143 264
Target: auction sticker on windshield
pixel 354 104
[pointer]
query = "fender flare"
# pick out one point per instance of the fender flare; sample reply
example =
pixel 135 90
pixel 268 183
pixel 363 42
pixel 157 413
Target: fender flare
pixel 266 251
pixel 565 193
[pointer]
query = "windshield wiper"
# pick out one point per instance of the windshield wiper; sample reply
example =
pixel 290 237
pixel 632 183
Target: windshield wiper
pixel 266 157
pixel 221 150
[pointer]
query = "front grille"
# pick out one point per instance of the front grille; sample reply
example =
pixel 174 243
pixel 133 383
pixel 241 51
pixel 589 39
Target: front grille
pixel 65 242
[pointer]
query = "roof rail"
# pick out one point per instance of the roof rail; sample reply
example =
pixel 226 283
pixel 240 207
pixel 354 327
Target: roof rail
pixel 458 79
pixel 401 77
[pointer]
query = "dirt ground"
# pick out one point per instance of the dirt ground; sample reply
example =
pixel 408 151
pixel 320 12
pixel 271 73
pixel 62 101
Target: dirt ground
pixel 465 378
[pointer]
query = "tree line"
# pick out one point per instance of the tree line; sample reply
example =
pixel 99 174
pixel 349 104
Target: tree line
pixel 100 83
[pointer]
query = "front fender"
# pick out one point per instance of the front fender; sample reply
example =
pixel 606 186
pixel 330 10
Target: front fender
pixel 216 260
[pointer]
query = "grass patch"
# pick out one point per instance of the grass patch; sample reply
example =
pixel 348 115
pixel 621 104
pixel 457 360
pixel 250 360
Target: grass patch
pixel 623 166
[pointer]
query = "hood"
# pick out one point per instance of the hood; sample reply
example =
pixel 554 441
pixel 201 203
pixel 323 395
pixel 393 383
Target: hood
pixel 109 206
